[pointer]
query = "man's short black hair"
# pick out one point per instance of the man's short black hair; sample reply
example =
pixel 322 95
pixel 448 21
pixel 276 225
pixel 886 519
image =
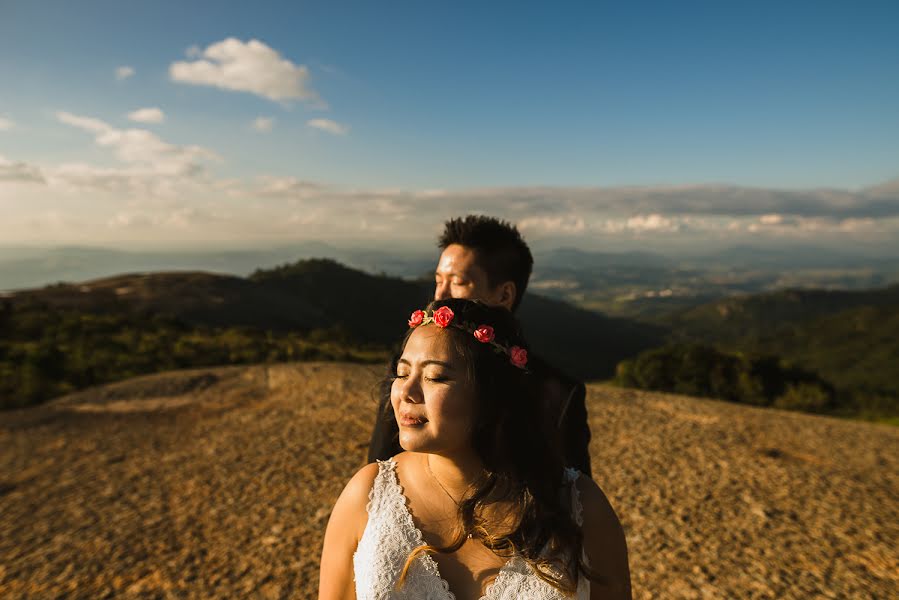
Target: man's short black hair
pixel 498 247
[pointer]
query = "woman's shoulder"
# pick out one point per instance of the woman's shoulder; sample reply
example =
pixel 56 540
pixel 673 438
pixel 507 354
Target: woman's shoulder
pixel 598 511
pixel 604 539
pixel 358 490
pixel 351 508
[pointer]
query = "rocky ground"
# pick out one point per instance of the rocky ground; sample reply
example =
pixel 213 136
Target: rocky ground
pixel 218 483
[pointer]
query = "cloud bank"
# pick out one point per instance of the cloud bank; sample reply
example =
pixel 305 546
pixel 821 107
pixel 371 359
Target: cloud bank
pixel 153 190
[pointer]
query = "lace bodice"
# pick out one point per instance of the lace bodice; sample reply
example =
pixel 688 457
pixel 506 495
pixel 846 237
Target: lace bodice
pixel 390 535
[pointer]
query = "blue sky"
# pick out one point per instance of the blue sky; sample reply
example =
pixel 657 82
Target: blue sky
pixel 402 113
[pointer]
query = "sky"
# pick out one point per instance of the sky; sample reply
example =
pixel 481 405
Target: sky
pixel 594 124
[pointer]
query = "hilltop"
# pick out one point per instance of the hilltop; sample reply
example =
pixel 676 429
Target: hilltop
pixel 63 337
pixel 217 483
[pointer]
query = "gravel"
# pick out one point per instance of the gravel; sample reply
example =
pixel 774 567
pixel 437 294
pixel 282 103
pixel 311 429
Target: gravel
pixel 218 483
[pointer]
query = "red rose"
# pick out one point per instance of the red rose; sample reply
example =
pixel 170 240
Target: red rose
pixel 519 356
pixel 417 317
pixel 484 334
pixel 443 316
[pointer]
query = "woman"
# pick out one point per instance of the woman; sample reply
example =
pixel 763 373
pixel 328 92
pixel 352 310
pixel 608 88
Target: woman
pixel 479 505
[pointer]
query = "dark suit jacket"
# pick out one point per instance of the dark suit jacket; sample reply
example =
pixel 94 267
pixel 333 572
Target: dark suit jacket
pixel 564 397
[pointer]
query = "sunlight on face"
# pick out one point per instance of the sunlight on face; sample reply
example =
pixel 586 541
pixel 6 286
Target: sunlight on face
pixel 432 399
pixel 458 275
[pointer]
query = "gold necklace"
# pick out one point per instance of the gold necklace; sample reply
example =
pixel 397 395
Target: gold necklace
pixel 431 473
pixel 445 491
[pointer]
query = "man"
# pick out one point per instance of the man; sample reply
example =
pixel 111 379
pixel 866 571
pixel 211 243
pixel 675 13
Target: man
pixel 486 259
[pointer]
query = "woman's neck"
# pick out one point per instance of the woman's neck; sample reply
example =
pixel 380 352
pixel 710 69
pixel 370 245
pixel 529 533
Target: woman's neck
pixel 456 472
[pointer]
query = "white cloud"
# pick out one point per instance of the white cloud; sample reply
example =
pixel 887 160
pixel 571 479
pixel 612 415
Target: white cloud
pixel 147 115
pixel 124 72
pixel 252 66
pixel 263 124
pixel 328 125
pixel 19 172
pixel 653 222
pixel 6 124
pixel 288 187
pixel 85 123
pixel 141 148
pixel 553 225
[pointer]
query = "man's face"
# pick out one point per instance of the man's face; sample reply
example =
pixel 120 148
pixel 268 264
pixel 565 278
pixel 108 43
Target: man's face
pixel 459 276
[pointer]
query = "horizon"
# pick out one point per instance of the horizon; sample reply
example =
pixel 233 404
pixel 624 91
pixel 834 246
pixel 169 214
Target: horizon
pixel 614 128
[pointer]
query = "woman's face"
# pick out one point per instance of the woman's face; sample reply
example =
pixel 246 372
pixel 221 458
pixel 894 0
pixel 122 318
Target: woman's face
pixel 432 398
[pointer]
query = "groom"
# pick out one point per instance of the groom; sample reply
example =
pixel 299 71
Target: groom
pixel 485 259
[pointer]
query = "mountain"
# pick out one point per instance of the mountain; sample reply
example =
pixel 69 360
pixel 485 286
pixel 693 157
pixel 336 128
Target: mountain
pixel 23 268
pixel 309 297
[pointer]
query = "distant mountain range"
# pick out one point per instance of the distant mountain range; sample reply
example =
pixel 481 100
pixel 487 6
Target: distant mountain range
pixel 849 338
pixel 323 294
pixel 573 274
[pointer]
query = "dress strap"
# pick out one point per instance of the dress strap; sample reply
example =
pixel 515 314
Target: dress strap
pixel 577 510
pixel 382 489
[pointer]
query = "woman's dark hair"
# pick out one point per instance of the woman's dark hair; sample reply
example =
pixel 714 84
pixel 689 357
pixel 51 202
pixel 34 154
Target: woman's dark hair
pixel 498 247
pixel 519 449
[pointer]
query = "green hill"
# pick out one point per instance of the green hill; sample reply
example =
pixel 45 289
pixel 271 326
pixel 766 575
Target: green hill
pixel 737 318
pixel 68 336
pixel 849 339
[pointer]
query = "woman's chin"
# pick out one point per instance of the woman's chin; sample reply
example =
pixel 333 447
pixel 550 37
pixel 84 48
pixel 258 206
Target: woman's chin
pixel 413 442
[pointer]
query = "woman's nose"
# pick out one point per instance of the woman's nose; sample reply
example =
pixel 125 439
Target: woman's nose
pixel 411 390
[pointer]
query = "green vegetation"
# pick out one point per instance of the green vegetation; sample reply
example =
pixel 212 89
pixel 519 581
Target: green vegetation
pixel 849 339
pixel 701 370
pixel 698 370
pixel 827 351
pixel 46 351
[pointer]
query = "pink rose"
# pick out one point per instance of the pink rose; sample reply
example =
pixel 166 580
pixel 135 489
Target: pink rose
pixel 519 356
pixel 417 317
pixel 443 316
pixel 484 334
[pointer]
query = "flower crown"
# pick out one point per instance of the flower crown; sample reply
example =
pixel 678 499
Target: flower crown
pixel 445 317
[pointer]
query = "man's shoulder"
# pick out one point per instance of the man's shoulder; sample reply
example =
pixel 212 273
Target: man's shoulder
pixel 551 375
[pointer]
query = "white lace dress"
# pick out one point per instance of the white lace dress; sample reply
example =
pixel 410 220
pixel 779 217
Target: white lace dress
pixel 391 535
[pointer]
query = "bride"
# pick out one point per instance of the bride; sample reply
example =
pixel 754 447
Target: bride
pixel 479 505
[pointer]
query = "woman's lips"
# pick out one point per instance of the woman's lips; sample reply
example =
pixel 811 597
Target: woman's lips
pixel 409 421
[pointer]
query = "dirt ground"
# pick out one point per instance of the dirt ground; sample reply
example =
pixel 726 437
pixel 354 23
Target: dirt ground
pixel 218 483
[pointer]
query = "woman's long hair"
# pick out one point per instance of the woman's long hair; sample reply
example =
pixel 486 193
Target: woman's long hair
pixel 519 447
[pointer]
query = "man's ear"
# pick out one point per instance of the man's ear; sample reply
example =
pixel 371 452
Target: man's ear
pixel 506 294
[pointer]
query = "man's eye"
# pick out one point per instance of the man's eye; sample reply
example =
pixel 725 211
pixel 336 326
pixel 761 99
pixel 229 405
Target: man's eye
pixel 401 376
pixel 437 378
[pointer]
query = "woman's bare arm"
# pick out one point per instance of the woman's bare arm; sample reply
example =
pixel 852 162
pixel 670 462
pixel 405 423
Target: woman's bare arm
pixel 345 527
pixel 604 544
